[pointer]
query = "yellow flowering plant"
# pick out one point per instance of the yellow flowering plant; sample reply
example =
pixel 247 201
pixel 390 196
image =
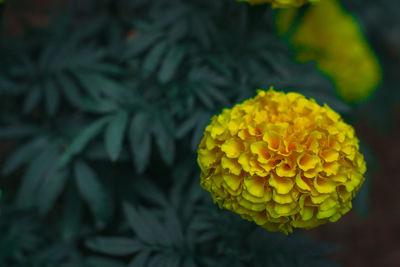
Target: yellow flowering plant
pixel 282 161
pixel 333 38
pixel 280 3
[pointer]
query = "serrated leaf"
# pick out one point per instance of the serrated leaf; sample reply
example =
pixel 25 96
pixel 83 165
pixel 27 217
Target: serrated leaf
pixel 94 193
pixel 80 141
pixel 138 225
pixel 140 259
pixel 171 63
pixel 114 134
pixel 117 246
pixel 50 189
pixel 140 139
pixel 153 58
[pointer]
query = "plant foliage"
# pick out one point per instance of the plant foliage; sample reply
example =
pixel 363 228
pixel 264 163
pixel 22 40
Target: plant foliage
pixel 101 114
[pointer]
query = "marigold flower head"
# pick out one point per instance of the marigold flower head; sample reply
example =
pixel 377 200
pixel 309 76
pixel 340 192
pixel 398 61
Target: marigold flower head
pixel 280 3
pixel 282 161
pixel 333 38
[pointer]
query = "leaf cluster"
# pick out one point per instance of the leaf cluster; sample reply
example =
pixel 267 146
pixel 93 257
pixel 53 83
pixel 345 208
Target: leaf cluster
pixel 102 113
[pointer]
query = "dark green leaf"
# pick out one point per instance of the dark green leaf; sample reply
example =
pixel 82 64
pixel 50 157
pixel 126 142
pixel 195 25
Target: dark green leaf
pixel 102 262
pixel 140 259
pixel 140 43
pixel 174 227
pixel 140 139
pixel 201 32
pixel 204 98
pixel 157 260
pixel 85 81
pixel 50 189
pixel 71 214
pixel 18 131
pixel 117 246
pixel 32 99
pixel 178 31
pixel 34 175
pixel 138 225
pixel 22 154
pixel 188 263
pixel 164 140
pixel 114 134
pixel 149 191
pixel 80 142
pixel 199 130
pixel 216 94
pixel 187 125
pixel 158 229
pixel 171 63
pixel 94 193
pixel 110 88
pixel 52 97
pixel 153 58
pixel 70 89
pixel 109 69
pixel 47 55
pixel 172 260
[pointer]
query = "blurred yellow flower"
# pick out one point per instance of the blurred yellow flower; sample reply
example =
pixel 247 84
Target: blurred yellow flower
pixel 280 3
pixel 282 161
pixel 333 38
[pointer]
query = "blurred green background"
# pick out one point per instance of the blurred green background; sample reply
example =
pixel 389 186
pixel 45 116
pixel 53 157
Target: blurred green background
pixel 103 104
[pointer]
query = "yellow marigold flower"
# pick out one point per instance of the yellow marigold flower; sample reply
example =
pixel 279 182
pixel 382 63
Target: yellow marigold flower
pixel 333 38
pixel 282 161
pixel 280 3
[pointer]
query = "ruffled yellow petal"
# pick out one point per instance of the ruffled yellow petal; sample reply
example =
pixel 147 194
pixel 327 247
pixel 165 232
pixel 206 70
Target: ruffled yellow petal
pixel 232 148
pixel 255 186
pixel 281 161
pixel 307 161
pixel 232 165
pixel 283 185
